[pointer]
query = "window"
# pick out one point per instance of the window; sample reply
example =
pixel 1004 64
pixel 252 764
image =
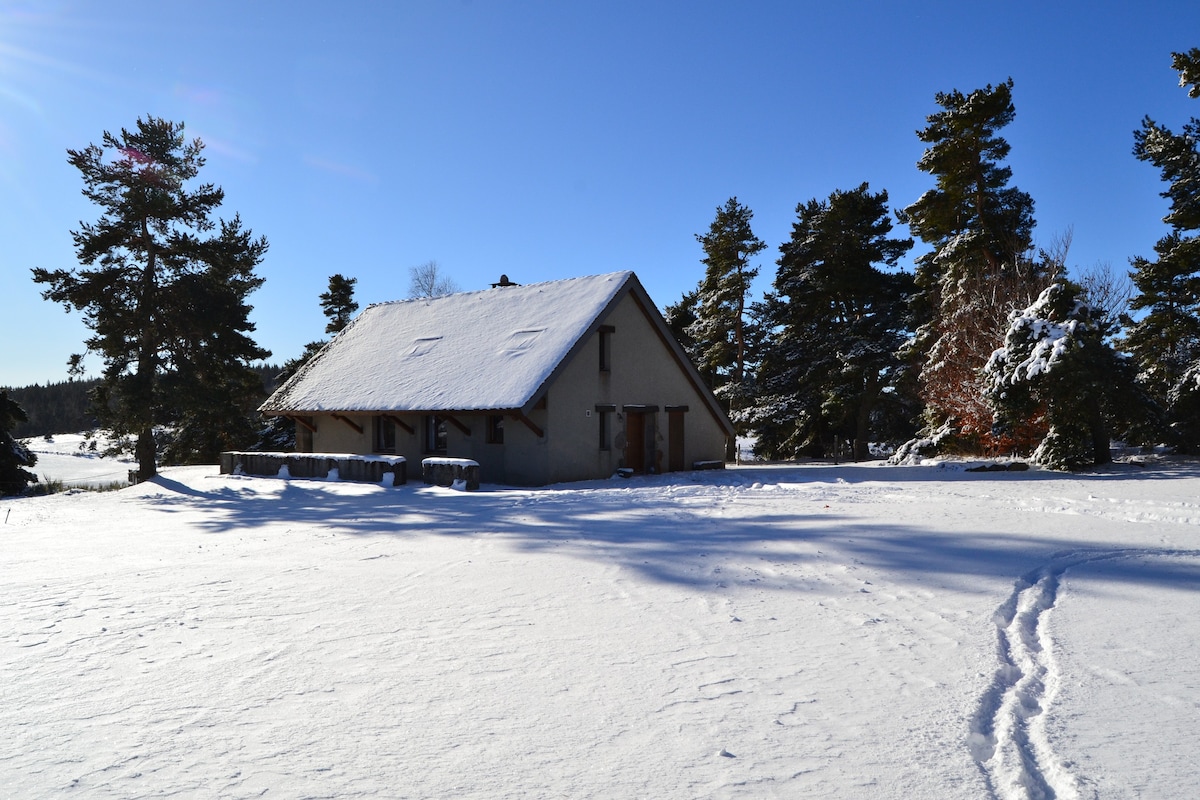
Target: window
pixel 304 434
pixel 435 434
pixel 495 429
pixel 606 332
pixel 385 435
pixel 604 416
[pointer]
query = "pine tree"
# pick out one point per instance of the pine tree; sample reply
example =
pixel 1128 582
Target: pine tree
pixel 14 456
pixel 836 321
pixel 719 332
pixel 338 302
pixel 1057 364
pixel 213 391
pixel 163 296
pixel 1165 341
pixel 1188 66
pixel 979 269
pixel 1166 338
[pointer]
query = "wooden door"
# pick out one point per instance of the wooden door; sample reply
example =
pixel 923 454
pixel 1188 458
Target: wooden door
pixel 675 459
pixel 635 441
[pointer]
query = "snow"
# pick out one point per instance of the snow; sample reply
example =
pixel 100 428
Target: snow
pixel 760 631
pixel 442 461
pixel 65 458
pixel 1051 340
pixel 484 350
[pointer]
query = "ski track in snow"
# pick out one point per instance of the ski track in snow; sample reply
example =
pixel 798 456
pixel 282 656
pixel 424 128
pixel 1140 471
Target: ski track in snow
pixel 1008 736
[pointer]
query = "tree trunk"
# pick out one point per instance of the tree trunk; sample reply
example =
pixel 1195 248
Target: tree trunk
pixel 147 363
pixel 1101 452
pixel 862 424
pixel 146 455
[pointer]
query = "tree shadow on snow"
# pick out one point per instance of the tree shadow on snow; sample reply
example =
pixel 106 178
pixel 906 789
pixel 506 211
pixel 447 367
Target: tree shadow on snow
pixel 700 530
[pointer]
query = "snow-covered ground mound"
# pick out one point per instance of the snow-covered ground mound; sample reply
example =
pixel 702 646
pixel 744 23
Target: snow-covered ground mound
pixel 816 631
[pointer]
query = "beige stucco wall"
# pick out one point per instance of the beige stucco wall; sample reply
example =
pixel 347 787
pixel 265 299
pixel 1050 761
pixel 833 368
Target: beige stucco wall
pixel 521 460
pixel 643 373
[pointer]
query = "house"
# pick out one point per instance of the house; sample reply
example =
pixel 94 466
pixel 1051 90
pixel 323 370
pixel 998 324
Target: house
pixel 559 381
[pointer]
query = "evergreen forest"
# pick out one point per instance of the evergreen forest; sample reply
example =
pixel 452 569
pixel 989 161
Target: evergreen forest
pixel 987 347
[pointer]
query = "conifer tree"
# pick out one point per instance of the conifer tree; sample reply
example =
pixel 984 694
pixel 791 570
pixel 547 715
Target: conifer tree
pixel 836 320
pixel 14 456
pixel 1056 364
pixel 719 332
pixel 212 392
pixel 681 316
pixel 163 296
pixel 1188 66
pixel 979 269
pixel 338 302
pixel 1166 339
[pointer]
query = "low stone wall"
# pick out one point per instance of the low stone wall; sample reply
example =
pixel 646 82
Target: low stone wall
pixel 451 471
pixel 338 466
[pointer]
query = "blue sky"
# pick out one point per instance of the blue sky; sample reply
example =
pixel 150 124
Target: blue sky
pixel 548 140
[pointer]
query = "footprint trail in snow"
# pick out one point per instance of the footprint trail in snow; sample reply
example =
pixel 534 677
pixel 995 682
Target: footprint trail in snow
pixel 1008 732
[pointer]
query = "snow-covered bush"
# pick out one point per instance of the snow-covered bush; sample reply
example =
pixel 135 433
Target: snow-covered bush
pixel 919 448
pixel 1055 364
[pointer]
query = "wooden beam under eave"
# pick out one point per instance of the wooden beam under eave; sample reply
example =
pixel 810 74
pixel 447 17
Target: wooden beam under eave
pixel 303 423
pixel 456 423
pixel 530 424
pixel 348 421
pixel 399 423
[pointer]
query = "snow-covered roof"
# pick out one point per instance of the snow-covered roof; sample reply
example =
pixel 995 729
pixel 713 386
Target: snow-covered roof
pixel 491 349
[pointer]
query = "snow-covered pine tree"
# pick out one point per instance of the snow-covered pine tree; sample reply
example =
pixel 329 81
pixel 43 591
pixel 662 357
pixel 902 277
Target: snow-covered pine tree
pixel 14 456
pixel 1165 341
pixel 979 269
pixel 835 321
pixel 1188 66
pixel 1057 365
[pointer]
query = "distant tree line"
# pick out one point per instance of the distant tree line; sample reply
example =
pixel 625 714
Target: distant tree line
pixel 54 408
pixel 987 347
pixel 65 406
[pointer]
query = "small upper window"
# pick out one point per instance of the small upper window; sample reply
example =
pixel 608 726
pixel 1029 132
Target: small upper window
pixel 423 345
pixel 606 332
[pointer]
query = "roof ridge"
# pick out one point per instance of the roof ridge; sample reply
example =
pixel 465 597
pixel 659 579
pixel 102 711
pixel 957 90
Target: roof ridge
pixel 514 287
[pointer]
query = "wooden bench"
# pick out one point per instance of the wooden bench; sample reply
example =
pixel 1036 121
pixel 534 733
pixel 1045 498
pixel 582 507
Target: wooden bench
pixel 457 472
pixel 388 470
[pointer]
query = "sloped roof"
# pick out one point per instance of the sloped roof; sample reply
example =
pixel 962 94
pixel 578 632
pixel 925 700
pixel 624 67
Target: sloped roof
pixel 475 351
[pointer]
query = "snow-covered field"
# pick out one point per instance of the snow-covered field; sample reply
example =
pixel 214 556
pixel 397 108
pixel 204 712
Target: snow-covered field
pixel 790 632
pixel 66 458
